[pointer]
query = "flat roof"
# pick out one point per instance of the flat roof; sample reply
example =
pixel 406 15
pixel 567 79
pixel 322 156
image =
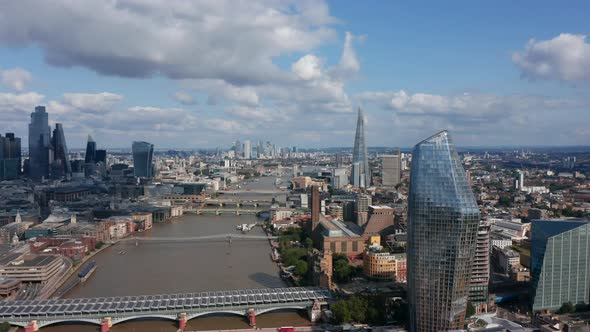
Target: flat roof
pixel 40 260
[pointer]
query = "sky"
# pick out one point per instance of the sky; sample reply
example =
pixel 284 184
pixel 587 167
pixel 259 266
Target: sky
pixel 202 74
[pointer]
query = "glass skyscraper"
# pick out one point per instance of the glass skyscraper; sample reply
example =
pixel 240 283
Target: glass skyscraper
pixel 560 263
pixel 443 219
pixel 61 161
pixel 143 153
pixel 361 174
pixel 39 144
pixel 90 157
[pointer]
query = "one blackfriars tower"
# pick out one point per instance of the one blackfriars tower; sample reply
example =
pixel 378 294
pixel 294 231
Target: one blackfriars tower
pixel 361 174
pixel 443 219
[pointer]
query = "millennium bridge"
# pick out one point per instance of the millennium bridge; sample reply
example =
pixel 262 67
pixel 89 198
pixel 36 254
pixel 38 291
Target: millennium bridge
pixel 225 237
pixel 108 311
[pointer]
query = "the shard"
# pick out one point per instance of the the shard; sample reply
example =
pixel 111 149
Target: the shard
pixel 361 174
pixel 443 219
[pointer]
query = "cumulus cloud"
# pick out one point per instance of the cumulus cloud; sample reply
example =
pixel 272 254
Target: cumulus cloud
pixel 15 78
pixel 231 40
pixel 308 67
pixel 565 57
pixel 184 98
pixel 349 64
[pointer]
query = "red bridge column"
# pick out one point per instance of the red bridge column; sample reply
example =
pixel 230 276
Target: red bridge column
pixel 182 320
pixel 32 327
pixel 106 324
pixel 252 317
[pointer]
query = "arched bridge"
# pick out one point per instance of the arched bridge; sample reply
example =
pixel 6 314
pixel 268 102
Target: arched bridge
pixel 107 311
pixel 201 238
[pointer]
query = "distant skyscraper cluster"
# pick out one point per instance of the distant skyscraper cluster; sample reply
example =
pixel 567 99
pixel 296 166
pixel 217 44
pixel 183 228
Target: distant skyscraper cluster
pixel 361 174
pixel 261 150
pixel 48 156
pixel 443 219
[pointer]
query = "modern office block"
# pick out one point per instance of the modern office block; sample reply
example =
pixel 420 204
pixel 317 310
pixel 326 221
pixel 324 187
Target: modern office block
pixel 39 144
pixel 61 161
pixel 391 167
pixel 143 153
pixel 443 219
pixel 560 263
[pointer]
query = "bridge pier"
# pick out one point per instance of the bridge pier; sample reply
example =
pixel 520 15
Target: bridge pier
pixel 314 312
pixel 106 324
pixel 32 327
pixel 251 317
pixel 182 320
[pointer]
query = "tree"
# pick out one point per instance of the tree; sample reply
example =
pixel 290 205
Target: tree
pixel 566 308
pixel 300 268
pixel 470 311
pixel 5 327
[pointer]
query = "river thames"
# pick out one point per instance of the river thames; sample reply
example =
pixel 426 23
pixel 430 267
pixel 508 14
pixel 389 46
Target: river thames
pixel 181 267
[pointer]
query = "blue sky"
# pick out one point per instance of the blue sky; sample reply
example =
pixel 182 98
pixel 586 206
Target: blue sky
pixel 194 74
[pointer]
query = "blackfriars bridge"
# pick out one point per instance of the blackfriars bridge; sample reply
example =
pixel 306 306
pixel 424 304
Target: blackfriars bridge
pixel 108 311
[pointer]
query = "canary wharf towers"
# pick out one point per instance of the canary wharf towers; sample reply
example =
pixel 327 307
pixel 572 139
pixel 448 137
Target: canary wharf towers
pixel 442 231
pixel 361 176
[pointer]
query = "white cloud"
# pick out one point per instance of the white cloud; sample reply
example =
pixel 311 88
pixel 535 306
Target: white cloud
pixel 308 67
pixel 15 78
pixel 349 64
pixel 565 57
pixel 224 39
pixel 184 98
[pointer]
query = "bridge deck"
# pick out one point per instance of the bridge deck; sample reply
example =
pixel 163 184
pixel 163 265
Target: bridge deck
pixel 9 310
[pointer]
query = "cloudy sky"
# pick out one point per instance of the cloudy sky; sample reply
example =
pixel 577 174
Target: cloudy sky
pixel 194 74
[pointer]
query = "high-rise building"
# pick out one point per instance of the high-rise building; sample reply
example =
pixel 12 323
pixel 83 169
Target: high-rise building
pixel 143 153
pixel 238 148
pixel 480 272
pixel 39 144
pixel 61 161
pixel 560 263
pixel 247 149
pixel 10 157
pixel 443 219
pixel 362 208
pixel 101 156
pixel 361 174
pixel 90 157
pixel 391 166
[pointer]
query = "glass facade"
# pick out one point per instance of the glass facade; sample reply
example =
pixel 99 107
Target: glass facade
pixel 39 144
pixel 443 219
pixel 143 153
pixel 361 176
pixel 560 263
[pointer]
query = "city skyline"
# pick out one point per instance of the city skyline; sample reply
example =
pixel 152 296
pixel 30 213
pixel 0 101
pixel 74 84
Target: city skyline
pixel 314 64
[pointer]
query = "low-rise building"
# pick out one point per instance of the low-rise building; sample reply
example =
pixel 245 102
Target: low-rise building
pixel 32 268
pixel 384 265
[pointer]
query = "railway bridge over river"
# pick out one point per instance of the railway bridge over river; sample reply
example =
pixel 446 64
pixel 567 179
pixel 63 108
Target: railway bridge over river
pixel 108 311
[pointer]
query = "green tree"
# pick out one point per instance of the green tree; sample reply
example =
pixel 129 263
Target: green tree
pixel 5 327
pixel 470 311
pixel 566 308
pixel 300 268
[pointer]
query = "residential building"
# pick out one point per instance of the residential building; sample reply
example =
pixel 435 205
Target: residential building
pixel 362 208
pixel 480 272
pixel 443 219
pixel 384 265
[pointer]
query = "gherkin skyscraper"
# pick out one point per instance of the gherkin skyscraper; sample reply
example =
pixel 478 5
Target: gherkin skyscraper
pixel 361 174
pixel 443 219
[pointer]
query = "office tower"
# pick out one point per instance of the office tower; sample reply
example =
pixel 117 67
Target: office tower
pixel 39 144
pixel 238 148
pixel 143 153
pixel 443 218
pixel 90 157
pixel 247 149
pixel 361 176
pixel 61 161
pixel 10 157
pixel 391 166
pixel 362 209
pixel 101 156
pixel 294 149
pixel 560 263
pixel 480 272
